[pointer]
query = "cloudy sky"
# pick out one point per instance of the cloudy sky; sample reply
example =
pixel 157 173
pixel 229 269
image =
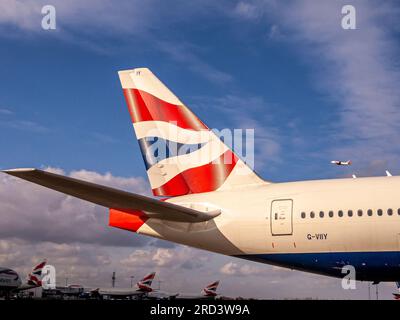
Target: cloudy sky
pixel 311 90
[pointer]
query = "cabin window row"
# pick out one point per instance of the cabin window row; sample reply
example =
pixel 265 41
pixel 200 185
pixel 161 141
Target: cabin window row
pixel 348 213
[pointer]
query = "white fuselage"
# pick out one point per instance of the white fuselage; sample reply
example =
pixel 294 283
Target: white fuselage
pixel 265 223
pixel 9 279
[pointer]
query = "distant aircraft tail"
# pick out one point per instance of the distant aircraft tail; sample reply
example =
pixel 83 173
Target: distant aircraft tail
pixel 181 154
pixel 211 289
pixel 145 283
pixel 396 295
pixel 35 277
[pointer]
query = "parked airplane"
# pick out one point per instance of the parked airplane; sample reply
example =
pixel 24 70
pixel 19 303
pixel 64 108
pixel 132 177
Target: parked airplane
pixel 160 295
pixel 396 295
pixel 72 290
pixel 208 293
pixel 217 203
pixel 11 283
pixel 143 288
pixel 341 163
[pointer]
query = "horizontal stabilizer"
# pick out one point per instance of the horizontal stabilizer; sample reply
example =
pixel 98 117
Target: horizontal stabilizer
pixel 112 198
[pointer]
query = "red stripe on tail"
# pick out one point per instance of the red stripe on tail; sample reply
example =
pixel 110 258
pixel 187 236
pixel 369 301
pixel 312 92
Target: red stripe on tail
pixel 145 107
pixel 206 178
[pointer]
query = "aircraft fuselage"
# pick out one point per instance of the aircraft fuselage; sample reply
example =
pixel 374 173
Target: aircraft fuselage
pixel 314 226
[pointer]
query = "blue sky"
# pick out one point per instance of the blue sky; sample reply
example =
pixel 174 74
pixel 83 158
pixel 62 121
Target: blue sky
pixel 312 91
pixel 67 109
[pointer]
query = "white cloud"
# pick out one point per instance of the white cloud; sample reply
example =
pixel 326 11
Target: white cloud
pixel 359 72
pixel 5 111
pixel 26 15
pixel 229 268
pixel 129 17
pixel 129 22
pixel 75 237
pixel 249 112
pixel 235 269
pixel 9 120
pixel 24 125
pixel 88 256
pixel 104 138
pixel 147 258
pixel 132 184
pixel 19 13
pixel 35 213
pixel 357 69
pixel 185 54
pixel 164 257
pixel 275 33
pixel 247 10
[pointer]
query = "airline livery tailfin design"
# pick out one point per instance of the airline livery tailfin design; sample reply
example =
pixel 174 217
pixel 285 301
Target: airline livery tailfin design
pixel 145 283
pixel 211 289
pixel 35 277
pixel 181 154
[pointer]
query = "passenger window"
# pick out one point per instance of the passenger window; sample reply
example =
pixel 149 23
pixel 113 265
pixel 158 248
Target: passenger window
pixel 369 212
pixel 398 211
pixel 390 212
pixel 312 214
pixel 350 213
pixel 359 212
pixel 340 213
pixel 303 215
pixel 321 214
pixel 331 213
pixel 380 212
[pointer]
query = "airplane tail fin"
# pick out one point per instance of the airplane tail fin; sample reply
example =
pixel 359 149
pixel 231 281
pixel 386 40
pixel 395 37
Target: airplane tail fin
pixel 35 277
pixel 211 289
pixel 181 154
pixel 145 283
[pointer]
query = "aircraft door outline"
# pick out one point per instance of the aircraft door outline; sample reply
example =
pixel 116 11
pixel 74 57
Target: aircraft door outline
pixel 281 217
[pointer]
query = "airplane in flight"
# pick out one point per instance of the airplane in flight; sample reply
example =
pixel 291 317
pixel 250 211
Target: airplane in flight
pixel 143 288
pixel 341 163
pixel 11 283
pixel 208 293
pixel 210 199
